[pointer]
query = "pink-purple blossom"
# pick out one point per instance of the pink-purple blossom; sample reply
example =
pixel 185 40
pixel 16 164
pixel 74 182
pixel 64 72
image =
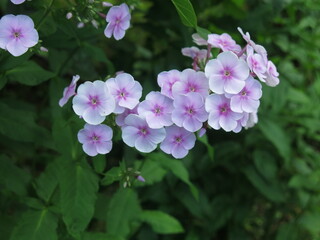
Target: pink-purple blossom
pixel 95 139
pixel 17 34
pixel 122 116
pixel 178 141
pixel 272 79
pixel 125 90
pixel 166 80
pixel 191 81
pixel 156 109
pixel 224 42
pixel 194 53
pixel 93 102
pixel 199 40
pixel 137 133
pixel 189 111
pixel 118 19
pixel 227 73
pixel 220 113
pixel 17 1
pixel 248 98
pixel 256 63
pixel 69 91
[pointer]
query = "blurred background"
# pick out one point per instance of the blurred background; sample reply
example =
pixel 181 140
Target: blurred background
pixel 259 184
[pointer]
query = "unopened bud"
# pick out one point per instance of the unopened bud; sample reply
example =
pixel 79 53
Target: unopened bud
pixel 80 25
pixel 140 178
pixel 106 4
pixel 43 49
pixel 69 15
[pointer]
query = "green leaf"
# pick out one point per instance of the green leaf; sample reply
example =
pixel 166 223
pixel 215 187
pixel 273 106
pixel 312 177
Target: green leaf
pixel 123 209
pixel 113 175
pixel 100 236
pixel 288 231
pixel 204 140
pixel 276 135
pixel 311 222
pixel 36 225
pixel 12 177
pixel 271 190
pixel 78 193
pixel 152 172
pixel 161 222
pixel 266 164
pixel 99 163
pixel 186 12
pixel 47 182
pixel 20 125
pixel 177 168
pixel 29 73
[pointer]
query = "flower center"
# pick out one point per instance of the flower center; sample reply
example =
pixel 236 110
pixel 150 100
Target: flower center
pixel 243 93
pixel 16 33
pixel 143 131
pixel 94 101
pixel 224 109
pixel 95 138
pixel 190 111
pixel 122 94
pixel 227 73
pixel 178 139
pixel 158 110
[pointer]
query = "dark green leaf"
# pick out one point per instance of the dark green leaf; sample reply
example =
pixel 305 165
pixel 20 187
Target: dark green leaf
pixel 271 190
pixel 177 168
pixel 20 125
pixel 152 172
pixel 12 177
pixel 100 236
pixel 36 225
pixel 161 222
pixel 266 164
pixel 275 134
pixel 29 73
pixel 113 175
pixel 123 209
pixel 78 193
pixel 186 12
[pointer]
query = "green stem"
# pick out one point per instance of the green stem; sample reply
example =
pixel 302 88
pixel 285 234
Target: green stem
pixel 48 10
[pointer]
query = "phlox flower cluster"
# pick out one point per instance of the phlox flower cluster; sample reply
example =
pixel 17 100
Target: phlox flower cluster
pixel 216 93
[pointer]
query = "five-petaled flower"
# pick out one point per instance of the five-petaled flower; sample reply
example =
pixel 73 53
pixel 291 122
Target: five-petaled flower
pixel 118 19
pixel 93 102
pixel 17 34
pixel 96 139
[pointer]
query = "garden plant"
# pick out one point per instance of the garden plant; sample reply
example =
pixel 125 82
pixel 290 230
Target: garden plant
pixel 159 119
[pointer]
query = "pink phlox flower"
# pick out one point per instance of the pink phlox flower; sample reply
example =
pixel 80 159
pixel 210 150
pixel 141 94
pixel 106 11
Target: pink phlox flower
pixel 137 133
pixel 224 42
pixel 220 113
pixel 199 40
pixel 252 120
pixel 248 98
pixel 17 1
pixel 69 91
pixel 93 102
pixel 96 139
pixel 17 34
pixel 256 64
pixel 125 90
pixel 257 48
pixel 242 122
pixel 166 80
pixel 122 116
pixel 178 142
pixel 227 73
pixel 189 111
pixel 118 19
pixel 272 79
pixel 191 81
pixel 157 110
pixel 194 53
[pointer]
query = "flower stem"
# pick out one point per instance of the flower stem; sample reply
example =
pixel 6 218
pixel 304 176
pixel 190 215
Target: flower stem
pixel 48 10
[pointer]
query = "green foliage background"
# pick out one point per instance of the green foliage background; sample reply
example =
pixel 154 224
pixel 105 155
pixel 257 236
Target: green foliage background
pixel 262 183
